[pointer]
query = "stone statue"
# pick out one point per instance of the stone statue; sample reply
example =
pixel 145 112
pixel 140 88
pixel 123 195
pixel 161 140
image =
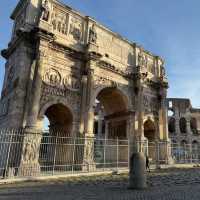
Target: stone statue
pixel 163 73
pixel 93 35
pixel 141 60
pixel 45 10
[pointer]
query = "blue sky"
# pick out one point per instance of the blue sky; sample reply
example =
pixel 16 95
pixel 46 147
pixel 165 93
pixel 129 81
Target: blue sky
pixel 170 29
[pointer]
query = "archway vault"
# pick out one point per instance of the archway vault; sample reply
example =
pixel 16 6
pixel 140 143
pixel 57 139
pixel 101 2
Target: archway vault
pixel 113 100
pixel 150 130
pixel 114 104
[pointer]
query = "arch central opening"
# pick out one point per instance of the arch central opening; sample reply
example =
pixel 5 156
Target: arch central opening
pixel 111 114
pixel 149 130
pixel 149 134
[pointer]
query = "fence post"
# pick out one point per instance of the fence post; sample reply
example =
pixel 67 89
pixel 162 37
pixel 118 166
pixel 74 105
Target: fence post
pixel 157 155
pixel 117 153
pixel 191 153
pixel 74 148
pixel 128 153
pixel 55 152
pixel 104 153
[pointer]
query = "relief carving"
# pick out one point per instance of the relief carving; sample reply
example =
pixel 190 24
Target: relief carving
pixel 31 149
pixel 98 81
pixel 71 82
pixel 89 151
pixel 60 21
pixel 72 97
pixel 75 30
pixel 52 77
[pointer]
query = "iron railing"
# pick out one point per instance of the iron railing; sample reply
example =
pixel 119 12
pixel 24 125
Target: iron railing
pixel 57 154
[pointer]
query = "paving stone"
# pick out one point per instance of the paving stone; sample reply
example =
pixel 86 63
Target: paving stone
pixel 181 185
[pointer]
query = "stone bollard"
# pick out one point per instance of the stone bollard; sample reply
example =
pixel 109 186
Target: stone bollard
pixel 137 174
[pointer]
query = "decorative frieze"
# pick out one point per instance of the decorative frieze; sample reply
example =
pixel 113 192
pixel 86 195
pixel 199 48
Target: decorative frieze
pixel 127 72
pixel 54 78
pixel 99 81
pixel 60 21
pixel 49 92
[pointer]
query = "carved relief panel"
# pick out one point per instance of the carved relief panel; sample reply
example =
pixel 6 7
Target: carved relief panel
pixel 119 52
pixel 53 77
pixel 60 21
pixel 76 28
pixel 31 149
pixel 61 83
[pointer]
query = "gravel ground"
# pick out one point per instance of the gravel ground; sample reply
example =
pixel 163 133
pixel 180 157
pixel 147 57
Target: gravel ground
pixel 165 184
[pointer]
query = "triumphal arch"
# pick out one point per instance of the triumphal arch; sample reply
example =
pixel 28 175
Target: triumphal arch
pixel 79 74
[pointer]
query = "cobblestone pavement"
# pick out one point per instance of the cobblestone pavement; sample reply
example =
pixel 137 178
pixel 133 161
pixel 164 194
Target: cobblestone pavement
pixel 165 184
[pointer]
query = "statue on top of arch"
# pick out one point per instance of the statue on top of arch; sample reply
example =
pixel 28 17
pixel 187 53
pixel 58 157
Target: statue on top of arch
pixel 45 10
pixel 93 35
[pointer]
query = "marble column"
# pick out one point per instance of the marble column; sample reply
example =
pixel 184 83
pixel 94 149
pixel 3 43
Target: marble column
pixel 139 125
pixel 83 105
pixel 164 148
pixel 131 132
pixel 29 164
pixel 88 159
pixel 163 120
pixel 36 89
pixel 100 124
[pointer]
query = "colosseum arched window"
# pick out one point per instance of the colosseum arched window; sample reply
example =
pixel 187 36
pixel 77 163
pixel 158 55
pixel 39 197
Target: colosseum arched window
pixel 183 125
pixel 171 125
pixel 193 125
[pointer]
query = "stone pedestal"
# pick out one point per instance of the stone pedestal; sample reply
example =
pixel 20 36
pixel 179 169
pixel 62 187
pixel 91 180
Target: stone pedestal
pixel 137 174
pixel 29 165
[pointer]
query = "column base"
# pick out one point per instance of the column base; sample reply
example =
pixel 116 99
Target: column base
pixel 29 170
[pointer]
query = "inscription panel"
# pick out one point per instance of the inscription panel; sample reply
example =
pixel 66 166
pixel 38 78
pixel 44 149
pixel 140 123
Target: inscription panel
pixel 121 53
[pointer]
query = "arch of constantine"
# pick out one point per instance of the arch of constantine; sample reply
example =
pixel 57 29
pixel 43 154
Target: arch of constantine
pixel 87 80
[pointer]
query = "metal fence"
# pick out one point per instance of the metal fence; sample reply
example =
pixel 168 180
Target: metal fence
pixel 58 155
